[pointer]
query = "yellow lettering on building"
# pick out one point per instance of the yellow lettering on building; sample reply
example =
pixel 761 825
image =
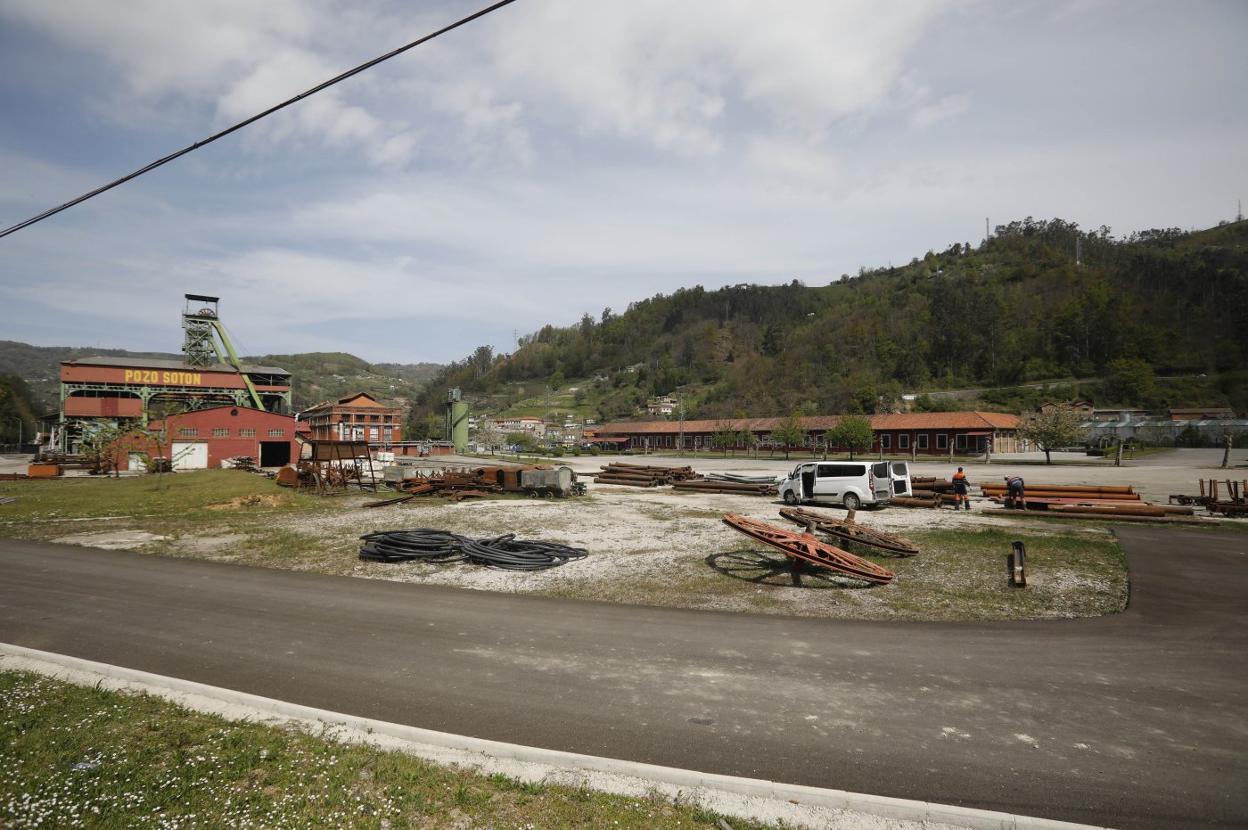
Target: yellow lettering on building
pixel 167 378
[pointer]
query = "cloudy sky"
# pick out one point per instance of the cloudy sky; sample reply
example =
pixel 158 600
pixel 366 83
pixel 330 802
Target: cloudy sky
pixel 562 156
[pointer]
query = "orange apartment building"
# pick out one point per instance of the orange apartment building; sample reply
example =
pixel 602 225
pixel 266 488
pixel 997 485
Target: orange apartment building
pixel 358 417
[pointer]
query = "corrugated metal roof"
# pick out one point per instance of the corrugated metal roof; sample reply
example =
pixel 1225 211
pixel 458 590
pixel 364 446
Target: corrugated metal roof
pixel 161 363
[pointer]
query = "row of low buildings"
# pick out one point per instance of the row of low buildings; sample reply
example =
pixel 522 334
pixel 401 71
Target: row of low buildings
pixel 914 433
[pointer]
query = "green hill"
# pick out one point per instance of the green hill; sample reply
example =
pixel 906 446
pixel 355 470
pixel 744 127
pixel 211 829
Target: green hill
pixel 1015 310
pixel 317 376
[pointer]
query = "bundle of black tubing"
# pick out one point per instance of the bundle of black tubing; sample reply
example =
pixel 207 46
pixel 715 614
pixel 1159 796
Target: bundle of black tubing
pixel 505 552
pixel 404 545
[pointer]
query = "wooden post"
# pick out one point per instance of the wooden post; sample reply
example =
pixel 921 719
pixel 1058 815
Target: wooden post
pixel 1118 455
pixel 849 518
pixel 1226 452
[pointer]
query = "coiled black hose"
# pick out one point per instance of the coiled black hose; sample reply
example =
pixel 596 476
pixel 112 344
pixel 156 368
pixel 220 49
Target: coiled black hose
pixel 404 545
pixel 505 552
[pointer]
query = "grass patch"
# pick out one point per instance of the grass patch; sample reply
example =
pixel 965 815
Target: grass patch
pixel 84 757
pixel 958 576
pixel 175 494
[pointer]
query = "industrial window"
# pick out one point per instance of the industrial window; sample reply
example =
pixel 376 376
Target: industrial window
pixel 277 433
pixel 920 441
pixel 885 441
pixel 220 432
pixel 188 432
pixel 961 442
pixel 372 434
pixel 246 432
pixel 903 442
pixel 942 441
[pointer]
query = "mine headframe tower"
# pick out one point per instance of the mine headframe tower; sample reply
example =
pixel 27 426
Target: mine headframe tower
pixel 200 346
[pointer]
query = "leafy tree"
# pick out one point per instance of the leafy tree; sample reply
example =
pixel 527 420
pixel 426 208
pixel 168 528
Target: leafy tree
pixel 789 433
pixel 724 436
pixel 853 432
pixel 1129 381
pixel 524 440
pixel 1057 426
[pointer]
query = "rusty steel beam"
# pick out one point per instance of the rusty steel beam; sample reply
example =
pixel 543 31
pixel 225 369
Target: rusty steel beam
pixel 806 548
pixel 848 531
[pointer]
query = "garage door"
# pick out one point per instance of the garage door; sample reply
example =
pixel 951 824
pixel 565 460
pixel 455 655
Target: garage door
pixel 190 456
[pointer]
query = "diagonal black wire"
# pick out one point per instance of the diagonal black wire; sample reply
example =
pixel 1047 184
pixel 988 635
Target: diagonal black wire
pixel 53 211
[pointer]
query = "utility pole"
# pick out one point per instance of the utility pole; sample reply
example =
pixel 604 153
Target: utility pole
pixel 680 442
pixel 1078 250
pixel 987 234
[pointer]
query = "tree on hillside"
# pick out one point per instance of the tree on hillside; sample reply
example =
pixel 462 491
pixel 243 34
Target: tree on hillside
pixel 853 432
pixel 1129 381
pixel 1055 427
pixel 789 433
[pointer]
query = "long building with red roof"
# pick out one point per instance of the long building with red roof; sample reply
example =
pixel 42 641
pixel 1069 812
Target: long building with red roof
pixel 910 433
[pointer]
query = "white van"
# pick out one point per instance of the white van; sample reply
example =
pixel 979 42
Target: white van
pixel 850 483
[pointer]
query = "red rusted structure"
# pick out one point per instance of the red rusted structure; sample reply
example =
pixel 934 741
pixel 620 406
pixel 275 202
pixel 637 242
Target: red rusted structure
pixel 850 531
pixel 806 548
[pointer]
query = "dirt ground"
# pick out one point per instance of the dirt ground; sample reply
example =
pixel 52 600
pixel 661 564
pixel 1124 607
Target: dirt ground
pixel 664 547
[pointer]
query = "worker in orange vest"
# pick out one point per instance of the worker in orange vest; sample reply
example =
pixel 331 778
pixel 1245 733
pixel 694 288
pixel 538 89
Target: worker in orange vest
pixel 961 487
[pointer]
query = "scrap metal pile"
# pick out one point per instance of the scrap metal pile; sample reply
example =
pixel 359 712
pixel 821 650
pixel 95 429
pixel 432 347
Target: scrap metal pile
pixel 1086 501
pixel 730 483
pixel 321 477
pixel 1235 503
pixel 458 484
pixel 804 548
pixel 641 475
pixel 504 552
pixel 685 479
pixel 848 530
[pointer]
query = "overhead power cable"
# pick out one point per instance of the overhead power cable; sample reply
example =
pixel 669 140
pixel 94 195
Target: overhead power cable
pixel 166 159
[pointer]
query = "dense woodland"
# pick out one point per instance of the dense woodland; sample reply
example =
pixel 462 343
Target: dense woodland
pixel 1017 308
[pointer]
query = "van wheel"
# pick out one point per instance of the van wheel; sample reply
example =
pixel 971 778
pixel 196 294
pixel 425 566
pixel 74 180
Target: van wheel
pixel 852 502
pixel 789 498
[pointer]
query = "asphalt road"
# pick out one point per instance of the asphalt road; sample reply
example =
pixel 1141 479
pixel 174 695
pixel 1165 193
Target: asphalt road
pixel 1136 720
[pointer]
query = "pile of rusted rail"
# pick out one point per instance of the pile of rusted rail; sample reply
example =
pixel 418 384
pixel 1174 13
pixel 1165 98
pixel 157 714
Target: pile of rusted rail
pixel 1085 501
pixel 926 491
pixel 728 483
pixel 806 549
pixel 849 530
pixel 641 475
pixel 458 484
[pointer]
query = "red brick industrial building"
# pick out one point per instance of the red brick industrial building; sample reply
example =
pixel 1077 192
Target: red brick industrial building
pixel 124 390
pixel 204 438
pixel 358 417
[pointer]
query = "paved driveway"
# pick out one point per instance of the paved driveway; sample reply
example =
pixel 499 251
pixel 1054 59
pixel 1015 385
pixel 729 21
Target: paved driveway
pixel 1137 720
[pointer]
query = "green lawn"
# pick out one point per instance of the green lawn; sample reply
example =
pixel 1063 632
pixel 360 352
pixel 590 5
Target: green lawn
pixel 959 575
pixel 84 757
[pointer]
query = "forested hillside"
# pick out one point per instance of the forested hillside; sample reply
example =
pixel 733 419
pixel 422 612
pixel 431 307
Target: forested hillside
pixel 317 376
pixel 1017 308
pixel 16 407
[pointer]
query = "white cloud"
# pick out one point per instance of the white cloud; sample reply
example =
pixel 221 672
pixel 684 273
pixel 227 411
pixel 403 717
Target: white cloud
pixel 946 108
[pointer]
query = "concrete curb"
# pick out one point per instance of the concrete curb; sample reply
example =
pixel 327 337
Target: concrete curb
pixel 742 797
